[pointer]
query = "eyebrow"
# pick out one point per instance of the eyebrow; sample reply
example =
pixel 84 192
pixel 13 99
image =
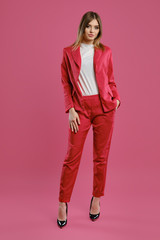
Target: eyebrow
pixel 94 25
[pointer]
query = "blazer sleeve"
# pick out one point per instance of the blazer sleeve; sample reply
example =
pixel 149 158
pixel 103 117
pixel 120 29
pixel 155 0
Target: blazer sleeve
pixel 66 84
pixel 112 83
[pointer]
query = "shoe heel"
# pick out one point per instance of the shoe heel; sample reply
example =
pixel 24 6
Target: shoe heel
pixel 93 217
pixel 60 223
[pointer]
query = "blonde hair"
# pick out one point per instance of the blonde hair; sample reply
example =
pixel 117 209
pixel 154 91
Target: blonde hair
pixel 86 18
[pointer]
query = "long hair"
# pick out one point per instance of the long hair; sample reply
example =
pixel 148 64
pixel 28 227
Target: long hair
pixel 86 18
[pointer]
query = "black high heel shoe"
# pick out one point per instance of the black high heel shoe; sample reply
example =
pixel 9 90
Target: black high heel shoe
pixel 93 217
pixel 63 223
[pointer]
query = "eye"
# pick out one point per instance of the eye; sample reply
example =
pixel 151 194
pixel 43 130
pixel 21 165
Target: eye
pixel 97 27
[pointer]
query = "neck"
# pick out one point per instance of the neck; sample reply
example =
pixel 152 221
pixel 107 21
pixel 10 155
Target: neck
pixel 89 42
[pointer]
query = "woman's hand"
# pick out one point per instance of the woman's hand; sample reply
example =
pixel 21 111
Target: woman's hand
pixel 117 104
pixel 73 120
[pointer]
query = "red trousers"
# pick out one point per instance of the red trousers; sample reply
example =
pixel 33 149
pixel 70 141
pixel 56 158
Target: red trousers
pixel 102 133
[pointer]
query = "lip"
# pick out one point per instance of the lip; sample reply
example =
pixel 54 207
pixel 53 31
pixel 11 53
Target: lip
pixel 91 35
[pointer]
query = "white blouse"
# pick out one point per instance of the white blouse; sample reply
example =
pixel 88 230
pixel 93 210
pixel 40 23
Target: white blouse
pixel 87 80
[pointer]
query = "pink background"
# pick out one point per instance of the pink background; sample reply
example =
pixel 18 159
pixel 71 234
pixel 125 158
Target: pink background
pixel 34 127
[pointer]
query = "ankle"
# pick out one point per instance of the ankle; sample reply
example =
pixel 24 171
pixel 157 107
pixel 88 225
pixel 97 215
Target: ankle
pixel 96 199
pixel 62 204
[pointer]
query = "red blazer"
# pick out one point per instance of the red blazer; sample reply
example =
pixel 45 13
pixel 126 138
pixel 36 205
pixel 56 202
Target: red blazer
pixel 103 67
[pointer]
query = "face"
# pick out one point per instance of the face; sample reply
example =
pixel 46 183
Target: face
pixel 91 31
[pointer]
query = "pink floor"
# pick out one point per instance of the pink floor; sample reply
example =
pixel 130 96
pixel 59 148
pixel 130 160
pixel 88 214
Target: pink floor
pixel 29 209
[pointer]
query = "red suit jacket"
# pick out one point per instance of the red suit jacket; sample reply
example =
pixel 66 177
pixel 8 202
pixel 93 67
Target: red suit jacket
pixel 103 67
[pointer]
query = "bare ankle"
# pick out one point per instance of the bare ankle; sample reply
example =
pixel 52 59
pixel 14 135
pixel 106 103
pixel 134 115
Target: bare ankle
pixel 62 204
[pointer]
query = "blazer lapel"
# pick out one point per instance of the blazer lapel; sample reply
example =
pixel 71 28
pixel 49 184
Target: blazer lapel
pixel 76 56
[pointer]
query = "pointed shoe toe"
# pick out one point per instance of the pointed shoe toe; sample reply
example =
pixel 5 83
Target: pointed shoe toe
pixel 93 217
pixel 62 223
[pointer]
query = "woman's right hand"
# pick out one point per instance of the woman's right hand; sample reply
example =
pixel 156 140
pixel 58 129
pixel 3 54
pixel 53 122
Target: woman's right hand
pixel 73 120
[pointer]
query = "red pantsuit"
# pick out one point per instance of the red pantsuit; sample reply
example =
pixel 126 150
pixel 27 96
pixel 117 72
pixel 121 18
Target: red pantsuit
pixel 102 124
pixel 96 110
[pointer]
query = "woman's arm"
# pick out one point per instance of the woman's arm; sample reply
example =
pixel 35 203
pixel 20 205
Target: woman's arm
pixel 112 83
pixel 67 86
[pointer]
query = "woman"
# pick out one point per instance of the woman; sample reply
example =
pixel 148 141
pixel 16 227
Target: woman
pixel 91 98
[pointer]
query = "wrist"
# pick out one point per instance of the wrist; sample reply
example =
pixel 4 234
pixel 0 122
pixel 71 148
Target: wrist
pixel 71 109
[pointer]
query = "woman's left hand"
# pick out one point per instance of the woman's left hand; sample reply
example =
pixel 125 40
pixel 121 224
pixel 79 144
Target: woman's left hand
pixel 117 104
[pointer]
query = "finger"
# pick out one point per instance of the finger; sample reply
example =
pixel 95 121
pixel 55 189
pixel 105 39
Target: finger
pixel 75 126
pixel 71 126
pixel 78 119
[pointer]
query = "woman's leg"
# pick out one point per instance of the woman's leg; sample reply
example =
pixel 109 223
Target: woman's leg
pixel 72 159
pixel 102 134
